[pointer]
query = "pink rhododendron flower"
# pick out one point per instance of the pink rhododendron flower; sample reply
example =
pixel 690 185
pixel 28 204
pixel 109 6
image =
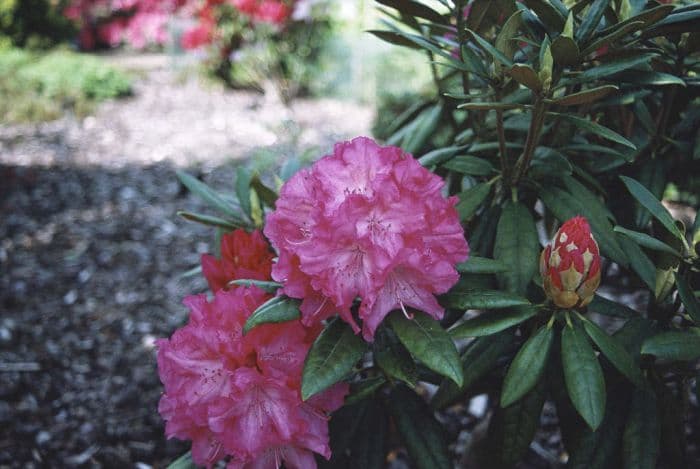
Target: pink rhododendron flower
pixel 237 396
pixel 243 256
pixel 368 222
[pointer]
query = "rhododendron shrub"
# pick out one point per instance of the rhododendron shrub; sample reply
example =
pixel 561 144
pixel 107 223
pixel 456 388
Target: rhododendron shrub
pixel 551 157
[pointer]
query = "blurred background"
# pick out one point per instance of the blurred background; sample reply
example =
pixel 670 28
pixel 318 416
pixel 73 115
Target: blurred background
pixel 100 102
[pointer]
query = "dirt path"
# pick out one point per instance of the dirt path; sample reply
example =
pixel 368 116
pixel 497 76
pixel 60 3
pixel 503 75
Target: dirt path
pixel 91 252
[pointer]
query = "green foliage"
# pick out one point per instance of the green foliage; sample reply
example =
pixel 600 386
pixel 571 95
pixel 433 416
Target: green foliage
pixel 35 24
pixel 41 86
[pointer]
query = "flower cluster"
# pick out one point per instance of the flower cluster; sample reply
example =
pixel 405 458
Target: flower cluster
pixel 266 11
pixel 570 266
pixel 238 396
pixel 368 222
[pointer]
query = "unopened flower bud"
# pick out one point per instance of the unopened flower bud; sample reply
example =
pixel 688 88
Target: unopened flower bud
pixel 570 265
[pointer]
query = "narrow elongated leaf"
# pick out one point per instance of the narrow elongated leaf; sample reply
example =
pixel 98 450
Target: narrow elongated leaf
pixel 472 165
pixel 183 462
pixel 409 7
pixel 513 428
pixel 591 20
pixel 368 448
pixel 243 177
pixel 393 358
pixel 607 307
pixel 527 366
pixel 640 442
pixel 481 265
pixel 428 342
pixel 208 220
pixel 690 301
pixel 647 17
pixel 471 199
pixel 652 204
pixel 331 358
pixel 210 196
pixel 639 261
pixel 646 241
pixel 394 38
pixel 265 285
pixel 440 155
pixel 483 299
pixel 640 77
pixel 266 194
pixel 516 245
pixel 489 106
pixel 548 14
pixel 586 96
pixel 614 352
pixel 486 46
pixel 595 128
pixel 504 40
pixel 492 322
pixel 583 376
pixel 478 359
pixel 277 309
pixel 423 435
pixel 674 345
pixel 363 389
pixel 610 68
pixel 612 37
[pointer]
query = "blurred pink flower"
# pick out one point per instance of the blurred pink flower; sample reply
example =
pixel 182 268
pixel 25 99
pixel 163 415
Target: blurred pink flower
pixel 243 256
pixel 239 396
pixel 368 222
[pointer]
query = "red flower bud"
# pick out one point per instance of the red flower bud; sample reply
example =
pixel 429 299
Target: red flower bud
pixel 570 266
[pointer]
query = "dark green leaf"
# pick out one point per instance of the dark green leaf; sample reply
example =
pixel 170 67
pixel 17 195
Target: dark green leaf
pixel 243 177
pixel 361 390
pixel 527 366
pixel 266 194
pixel 518 246
pixel 565 51
pixel 409 7
pixel 607 307
pixel 472 165
pixel 674 345
pixel 609 68
pixel 492 322
pixel 547 13
pixel 368 448
pixel 614 352
pixel 487 106
pixel 591 20
pixel 486 46
pixel 331 358
pixel 595 128
pixel 651 203
pixel 647 241
pixel 428 342
pixel 690 301
pixel 423 436
pixel 183 462
pixel 647 17
pixel 394 38
pixel 264 285
pixel 583 376
pixel 481 265
pixel 393 358
pixel 208 220
pixel 210 196
pixel 440 155
pixel 639 261
pixel 526 76
pixel 640 442
pixel 277 309
pixel 479 358
pixel 471 199
pixel 425 125
pixel 586 96
pixel 612 37
pixel 640 77
pixel 482 299
pixel 676 23
pixel 504 40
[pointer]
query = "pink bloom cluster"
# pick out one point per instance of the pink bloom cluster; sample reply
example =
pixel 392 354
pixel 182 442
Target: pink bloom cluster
pixel 236 396
pixel 266 11
pixel 368 222
pixel 243 255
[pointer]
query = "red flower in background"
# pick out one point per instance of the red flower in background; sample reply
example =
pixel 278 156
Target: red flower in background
pixel 570 266
pixel 243 256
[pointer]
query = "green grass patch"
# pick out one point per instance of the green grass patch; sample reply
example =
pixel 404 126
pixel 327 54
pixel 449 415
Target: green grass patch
pixel 43 86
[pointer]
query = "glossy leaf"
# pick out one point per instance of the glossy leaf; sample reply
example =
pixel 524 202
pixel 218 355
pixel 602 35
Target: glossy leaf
pixel 652 204
pixel 394 38
pixel 423 436
pixel 641 77
pixel 471 199
pixel 486 46
pixel 527 366
pixel 595 128
pixel 481 265
pixel 674 345
pixel 410 7
pixel 583 376
pixel 607 307
pixel 393 358
pixel 277 309
pixel 614 352
pixel 610 68
pixel 646 241
pixel 428 342
pixel 440 155
pixel 591 20
pixel 518 246
pixel 492 322
pixel 483 299
pixel 549 15
pixel 586 96
pixel 526 76
pixel 331 357
pixel 472 165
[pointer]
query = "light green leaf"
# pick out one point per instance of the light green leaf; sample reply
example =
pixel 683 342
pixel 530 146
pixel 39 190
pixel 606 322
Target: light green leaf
pixel 183 462
pixel 428 342
pixel 492 322
pixel 277 309
pixel 264 285
pixel 331 358
pixel 527 366
pixel 583 376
